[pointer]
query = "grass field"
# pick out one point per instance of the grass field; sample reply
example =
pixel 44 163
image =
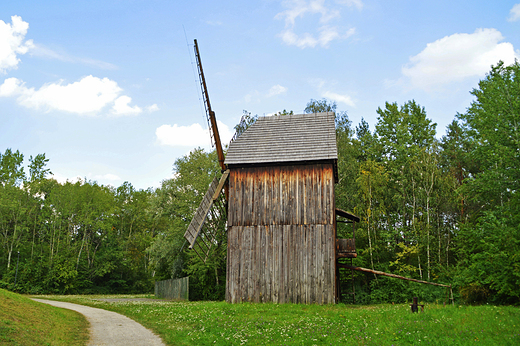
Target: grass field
pixel 24 322
pixel 219 323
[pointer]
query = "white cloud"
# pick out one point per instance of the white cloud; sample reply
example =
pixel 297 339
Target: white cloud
pixel 514 14
pixel 44 52
pixel 354 3
pixel 62 179
pixel 298 8
pixel 339 98
pixel 324 33
pixel 12 43
pixel 121 106
pixel 456 57
pixel 350 32
pixel 257 96
pixel 12 87
pixel 88 96
pixel 303 41
pixel 190 136
pixel 152 108
pixel 276 90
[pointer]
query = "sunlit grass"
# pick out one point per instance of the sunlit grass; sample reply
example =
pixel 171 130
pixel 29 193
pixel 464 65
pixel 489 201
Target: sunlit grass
pixel 220 323
pixel 25 322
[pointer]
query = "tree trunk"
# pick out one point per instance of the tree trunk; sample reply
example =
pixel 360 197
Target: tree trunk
pixel 10 251
pixel 369 223
pixel 428 234
pixel 81 249
pixel 415 228
pixel 440 242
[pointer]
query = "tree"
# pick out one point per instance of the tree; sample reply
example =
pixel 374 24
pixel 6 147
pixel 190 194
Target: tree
pixel 347 164
pixel 37 170
pixel 319 106
pixel 366 142
pixel 493 126
pixel 403 134
pixel 284 112
pixel 489 243
pixel 14 210
pixel 11 169
pixel 179 198
pixel 457 162
pixel 246 121
pixel 405 130
pixel 14 204
pixel 372 181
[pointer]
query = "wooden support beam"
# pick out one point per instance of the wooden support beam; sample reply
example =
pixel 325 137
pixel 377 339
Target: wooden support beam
pixel 220 185
pixel 347 215
pixel 390 275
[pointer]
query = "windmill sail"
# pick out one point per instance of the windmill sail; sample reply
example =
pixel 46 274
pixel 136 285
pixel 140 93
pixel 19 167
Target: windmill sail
pixel 212 121
pixel 209 220
pixel 211 215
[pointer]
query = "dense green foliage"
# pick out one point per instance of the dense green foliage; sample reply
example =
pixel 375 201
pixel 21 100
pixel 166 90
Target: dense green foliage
pixel 443 210
pixel 489 246
pixel 219 323
pixel 75 237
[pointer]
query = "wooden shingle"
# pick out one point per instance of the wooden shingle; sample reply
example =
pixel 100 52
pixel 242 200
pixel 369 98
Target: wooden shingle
pixel 287 138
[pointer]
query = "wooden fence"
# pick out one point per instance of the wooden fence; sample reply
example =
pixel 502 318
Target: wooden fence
pixel 176 289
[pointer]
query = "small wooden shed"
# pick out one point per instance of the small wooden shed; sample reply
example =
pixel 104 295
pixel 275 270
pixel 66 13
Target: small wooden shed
pixel 281 211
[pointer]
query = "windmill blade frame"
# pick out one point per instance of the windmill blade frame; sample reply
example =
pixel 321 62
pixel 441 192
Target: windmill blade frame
pixel 209 219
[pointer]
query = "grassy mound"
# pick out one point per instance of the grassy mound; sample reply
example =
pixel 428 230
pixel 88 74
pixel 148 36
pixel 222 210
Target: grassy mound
pixel 25 322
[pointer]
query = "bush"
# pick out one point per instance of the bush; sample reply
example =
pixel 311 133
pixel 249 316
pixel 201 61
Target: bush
pixel 474 294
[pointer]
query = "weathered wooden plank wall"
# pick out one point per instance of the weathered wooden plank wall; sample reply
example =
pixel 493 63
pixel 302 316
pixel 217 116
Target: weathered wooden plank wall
pixel 281 195
pixel 281 234
pixel 175 289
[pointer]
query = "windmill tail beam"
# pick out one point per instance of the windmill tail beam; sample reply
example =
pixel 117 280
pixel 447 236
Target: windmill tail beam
pixel 346 266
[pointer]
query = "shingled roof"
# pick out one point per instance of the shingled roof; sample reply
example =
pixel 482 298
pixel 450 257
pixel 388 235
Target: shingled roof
pixel 286 138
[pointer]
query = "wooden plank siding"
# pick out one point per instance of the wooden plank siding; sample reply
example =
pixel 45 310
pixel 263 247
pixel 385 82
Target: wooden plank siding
pixel 281 195
pixel 281 234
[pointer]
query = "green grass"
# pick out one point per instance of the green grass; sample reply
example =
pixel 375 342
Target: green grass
pixel 25 322
pixel 219 323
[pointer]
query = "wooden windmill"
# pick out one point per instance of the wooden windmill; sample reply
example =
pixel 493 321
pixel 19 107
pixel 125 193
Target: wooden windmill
pixel 281 215
pixel 282 243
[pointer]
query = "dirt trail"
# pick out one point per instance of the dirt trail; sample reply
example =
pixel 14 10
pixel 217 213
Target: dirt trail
pixel 108 328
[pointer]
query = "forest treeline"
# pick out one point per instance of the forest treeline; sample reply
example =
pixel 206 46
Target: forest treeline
pixel 438 209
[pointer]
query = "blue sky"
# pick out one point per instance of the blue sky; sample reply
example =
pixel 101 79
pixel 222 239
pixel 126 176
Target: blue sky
pixel 108 89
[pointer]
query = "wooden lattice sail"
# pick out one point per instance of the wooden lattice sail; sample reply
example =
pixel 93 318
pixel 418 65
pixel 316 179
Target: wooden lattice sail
pixel 209 220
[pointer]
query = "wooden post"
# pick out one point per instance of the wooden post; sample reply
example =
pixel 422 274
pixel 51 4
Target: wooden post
pixel 391 275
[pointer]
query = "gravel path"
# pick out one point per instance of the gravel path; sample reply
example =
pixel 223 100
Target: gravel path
pixel 109 328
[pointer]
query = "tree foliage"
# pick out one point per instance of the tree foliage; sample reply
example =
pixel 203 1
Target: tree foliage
pixel 489 244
